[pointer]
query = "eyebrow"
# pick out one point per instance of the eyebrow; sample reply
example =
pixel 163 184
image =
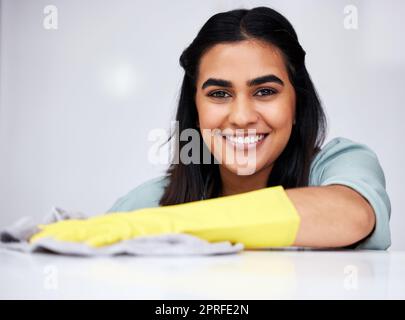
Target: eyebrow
pixel 250 83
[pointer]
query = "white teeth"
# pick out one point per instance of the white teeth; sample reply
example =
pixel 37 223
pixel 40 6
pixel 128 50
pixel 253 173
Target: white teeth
pixel 245 140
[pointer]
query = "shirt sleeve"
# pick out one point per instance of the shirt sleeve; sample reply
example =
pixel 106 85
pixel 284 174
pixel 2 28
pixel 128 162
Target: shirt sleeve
pixel 146 195
pixel 355 165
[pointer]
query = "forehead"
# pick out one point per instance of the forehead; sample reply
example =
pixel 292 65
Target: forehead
pixel 241 60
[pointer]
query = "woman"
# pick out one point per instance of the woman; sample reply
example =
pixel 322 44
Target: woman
pixel 245 72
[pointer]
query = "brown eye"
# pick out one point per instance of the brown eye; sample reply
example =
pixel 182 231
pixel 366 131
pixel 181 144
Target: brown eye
pixel 219 94
pixel 265 92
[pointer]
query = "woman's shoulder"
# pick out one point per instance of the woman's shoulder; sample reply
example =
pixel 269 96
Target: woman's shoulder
pixel 341 152
pixel 339 144
pixel 145 195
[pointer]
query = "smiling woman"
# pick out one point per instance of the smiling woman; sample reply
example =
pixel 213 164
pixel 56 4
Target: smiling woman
pixel 246 88
pixel 246 71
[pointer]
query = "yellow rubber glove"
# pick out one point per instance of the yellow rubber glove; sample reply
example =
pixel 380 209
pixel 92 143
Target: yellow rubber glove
pixel 258 219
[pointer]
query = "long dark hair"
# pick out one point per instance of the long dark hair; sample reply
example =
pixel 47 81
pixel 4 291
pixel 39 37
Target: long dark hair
pixel 195 181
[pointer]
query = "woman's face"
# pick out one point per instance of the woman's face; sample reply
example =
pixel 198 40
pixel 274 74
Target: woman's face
pixel 242 87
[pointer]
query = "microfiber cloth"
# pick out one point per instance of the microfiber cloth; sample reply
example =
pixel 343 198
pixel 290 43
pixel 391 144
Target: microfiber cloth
pixel 16 236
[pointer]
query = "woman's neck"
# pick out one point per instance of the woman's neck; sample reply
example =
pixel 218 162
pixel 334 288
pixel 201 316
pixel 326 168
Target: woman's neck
pixel 233 183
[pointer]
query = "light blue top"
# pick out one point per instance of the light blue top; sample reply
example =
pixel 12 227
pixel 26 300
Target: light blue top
pixel 341 161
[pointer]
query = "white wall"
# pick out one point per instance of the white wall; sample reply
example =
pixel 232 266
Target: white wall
pixel 77 103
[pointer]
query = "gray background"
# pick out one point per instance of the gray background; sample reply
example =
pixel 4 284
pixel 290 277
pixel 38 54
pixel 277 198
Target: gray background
pixel 77 103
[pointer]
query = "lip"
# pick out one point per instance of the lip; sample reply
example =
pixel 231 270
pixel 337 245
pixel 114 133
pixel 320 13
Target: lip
pixel 244 146
pixel 242 134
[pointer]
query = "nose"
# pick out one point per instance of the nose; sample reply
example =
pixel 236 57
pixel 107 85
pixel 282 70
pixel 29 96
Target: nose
pixel 242 113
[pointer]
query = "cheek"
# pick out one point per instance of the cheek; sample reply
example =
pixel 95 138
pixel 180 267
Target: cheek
pixel 280 114
pixel 210 116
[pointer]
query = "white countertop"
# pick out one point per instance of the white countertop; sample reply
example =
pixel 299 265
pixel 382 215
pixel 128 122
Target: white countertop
pixel 247 275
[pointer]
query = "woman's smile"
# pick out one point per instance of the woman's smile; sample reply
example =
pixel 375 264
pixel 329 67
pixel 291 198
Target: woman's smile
pixel 244 142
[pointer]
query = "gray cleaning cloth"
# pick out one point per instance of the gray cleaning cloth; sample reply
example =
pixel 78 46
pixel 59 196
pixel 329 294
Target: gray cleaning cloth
pixel 16 236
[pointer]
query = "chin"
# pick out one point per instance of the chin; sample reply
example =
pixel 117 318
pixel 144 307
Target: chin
pixel 243 170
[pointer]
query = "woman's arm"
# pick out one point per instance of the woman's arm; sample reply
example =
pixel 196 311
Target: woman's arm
pixel 331 216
